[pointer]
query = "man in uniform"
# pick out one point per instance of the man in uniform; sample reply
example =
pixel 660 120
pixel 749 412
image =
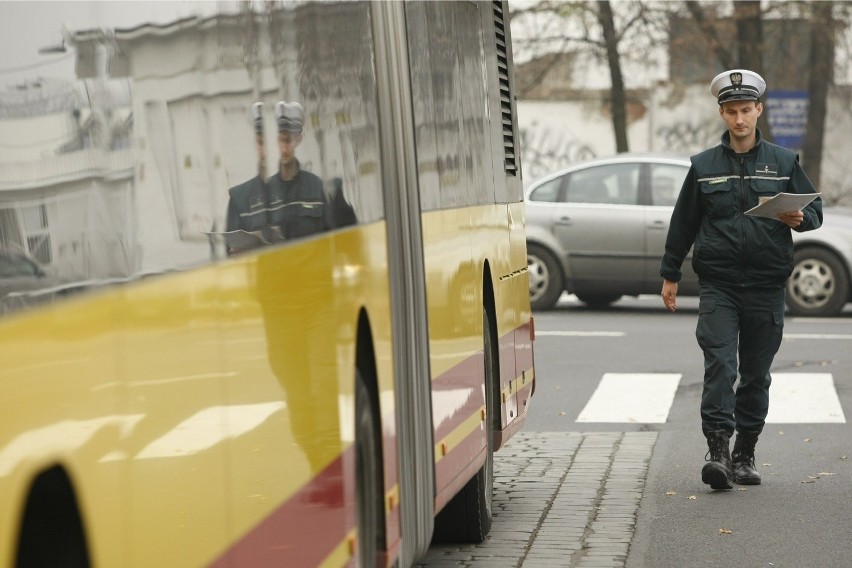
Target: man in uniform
pixel 247 203
pixel 293 203
pixel 742 263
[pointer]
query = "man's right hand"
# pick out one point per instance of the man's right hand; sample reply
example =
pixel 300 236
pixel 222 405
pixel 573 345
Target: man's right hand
pixel 669 295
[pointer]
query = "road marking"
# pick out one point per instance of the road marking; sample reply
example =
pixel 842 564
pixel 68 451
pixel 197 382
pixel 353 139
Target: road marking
pixel 821 321
pixel 642 398
pixel 803 398
pixel 622 334
pixel 817 336
pixel 581 333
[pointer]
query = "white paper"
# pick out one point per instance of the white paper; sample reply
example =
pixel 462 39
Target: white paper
pixel 242 240
pixel 770 207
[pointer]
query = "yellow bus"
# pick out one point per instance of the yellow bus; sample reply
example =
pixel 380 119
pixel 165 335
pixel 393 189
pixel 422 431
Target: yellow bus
pixel 264 286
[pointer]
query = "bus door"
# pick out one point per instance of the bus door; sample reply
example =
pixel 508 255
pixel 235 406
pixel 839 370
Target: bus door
pixel 407 283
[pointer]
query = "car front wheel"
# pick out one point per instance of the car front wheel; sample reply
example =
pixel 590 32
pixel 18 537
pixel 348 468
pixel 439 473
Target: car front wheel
pixel 546 284
pixel 819 285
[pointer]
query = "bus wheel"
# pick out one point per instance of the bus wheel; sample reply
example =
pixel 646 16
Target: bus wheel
pixel 467 517
pixel 52 531
pixel 368 478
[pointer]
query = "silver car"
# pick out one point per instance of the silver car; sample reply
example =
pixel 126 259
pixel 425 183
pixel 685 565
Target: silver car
pixel 598 229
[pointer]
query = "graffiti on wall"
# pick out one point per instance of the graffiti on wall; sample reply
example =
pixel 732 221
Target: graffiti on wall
pixel 545 151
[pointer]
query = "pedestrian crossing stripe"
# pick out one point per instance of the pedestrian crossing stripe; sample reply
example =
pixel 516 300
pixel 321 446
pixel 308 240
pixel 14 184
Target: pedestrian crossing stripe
pixel 646 398
pixel 632 397
pixel 803 398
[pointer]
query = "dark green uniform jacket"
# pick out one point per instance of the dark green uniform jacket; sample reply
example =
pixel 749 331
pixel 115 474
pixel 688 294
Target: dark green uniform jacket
pixel 730 248
pixel 299 207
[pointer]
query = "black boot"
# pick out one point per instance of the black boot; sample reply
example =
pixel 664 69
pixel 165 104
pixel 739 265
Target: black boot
pixel 742 459
pixel 717 471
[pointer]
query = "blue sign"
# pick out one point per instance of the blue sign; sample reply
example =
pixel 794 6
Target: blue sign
pixel 788 117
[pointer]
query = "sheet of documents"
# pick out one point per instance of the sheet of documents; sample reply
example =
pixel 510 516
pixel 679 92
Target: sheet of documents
pixel 241 240
pixel 770 207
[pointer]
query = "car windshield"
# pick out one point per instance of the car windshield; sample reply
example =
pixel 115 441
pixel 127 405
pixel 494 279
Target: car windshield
pixel 11 266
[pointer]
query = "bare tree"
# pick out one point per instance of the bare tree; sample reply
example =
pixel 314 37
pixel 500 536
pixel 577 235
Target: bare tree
pixel 618 104
pixel 822 76
pixel 611 33
pixel 750 49
pixel 749 41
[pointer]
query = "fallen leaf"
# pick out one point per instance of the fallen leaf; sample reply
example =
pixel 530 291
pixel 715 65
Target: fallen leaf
pixel 670 493
pixel 807 439
pixel 826 473
pixel 562 413
pixel 767 464
pixel 725 531
pixel 813 477
pixel 808 481
pixel 843 457
pixel 780 432
pixel 692 497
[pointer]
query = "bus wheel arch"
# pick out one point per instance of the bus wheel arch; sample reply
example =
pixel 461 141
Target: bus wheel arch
pixel 468 516
pixel 369 469
pixel 52 531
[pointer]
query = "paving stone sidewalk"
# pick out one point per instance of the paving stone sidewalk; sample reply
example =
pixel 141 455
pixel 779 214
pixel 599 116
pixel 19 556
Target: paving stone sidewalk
pixel 561 499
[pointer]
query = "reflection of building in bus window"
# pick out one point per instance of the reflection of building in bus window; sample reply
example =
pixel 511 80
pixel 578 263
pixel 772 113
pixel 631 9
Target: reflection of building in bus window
pixel 293 203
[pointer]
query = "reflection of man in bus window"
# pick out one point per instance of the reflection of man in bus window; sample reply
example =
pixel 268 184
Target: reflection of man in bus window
pixel 247 203
pixel 294 202
pixel 298 201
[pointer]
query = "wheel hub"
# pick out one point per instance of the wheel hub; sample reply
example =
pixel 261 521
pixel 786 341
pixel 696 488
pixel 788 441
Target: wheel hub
pixel 813 283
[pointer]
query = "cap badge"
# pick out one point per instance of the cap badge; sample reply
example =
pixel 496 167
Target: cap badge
pixel 736 78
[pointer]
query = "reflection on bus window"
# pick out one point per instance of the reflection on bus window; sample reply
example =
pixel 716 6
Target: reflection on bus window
pixel 290 204
pixel 138 160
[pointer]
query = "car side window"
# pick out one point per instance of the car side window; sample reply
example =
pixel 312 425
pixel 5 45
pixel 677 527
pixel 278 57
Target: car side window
pixel 666 181
pixel 615 184
pixel 548 191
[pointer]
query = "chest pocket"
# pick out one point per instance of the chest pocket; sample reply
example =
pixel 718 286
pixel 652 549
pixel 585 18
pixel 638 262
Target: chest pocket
pixel 719 196
pixel 764 188
pixel 305 219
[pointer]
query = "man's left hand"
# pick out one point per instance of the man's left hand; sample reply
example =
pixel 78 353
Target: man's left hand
pixel 791 218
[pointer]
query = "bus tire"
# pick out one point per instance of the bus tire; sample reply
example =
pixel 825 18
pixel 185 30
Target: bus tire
pixel 467 517
pixel 52 532
pixel 369 494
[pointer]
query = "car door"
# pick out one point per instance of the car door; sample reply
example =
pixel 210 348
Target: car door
pixel 600 224
pixel 665 182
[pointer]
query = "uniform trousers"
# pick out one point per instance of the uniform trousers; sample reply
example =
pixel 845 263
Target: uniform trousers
pixel 739 330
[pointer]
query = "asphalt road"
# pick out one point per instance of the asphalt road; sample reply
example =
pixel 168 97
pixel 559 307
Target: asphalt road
pixel 580 488
pixel 799 517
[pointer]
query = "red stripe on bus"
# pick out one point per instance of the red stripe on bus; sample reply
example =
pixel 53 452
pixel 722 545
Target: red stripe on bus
pixel 304 529
pixel 307 527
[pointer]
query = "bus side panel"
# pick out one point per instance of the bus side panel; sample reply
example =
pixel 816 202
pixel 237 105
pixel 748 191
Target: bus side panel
pixel 60 407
